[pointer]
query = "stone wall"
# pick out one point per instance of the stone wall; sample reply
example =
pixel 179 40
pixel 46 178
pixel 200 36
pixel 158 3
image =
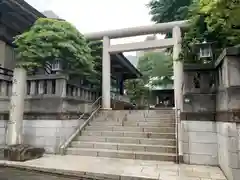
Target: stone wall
pixel 212 143
pixel 43 133
pixel 199 141
pixel 228 149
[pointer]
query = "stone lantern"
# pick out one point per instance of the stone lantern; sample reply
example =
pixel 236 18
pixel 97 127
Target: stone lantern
pixel 204 51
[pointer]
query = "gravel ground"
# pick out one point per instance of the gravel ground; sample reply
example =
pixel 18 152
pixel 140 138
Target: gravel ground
pixel 7 173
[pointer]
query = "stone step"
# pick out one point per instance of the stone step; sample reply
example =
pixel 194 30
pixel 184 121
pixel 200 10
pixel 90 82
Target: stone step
pixel 129 140
pixel 154 119
pixel 132 129
pixel 148 117
pixel 122 154
pixel 132 124
pixel 129 134
pixel 124 146
pixel 163 121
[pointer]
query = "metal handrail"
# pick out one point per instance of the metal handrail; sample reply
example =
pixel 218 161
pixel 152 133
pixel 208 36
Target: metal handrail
pixel 98 99
pixel 65 144
pixel 178 126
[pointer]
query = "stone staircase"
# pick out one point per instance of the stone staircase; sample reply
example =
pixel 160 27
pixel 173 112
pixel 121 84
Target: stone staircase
pixel 146 135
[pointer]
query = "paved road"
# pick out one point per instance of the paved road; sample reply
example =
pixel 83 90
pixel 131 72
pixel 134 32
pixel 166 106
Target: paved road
pixel 16 174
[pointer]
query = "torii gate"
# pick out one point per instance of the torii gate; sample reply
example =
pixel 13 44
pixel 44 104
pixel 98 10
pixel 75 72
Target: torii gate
pixel 108 49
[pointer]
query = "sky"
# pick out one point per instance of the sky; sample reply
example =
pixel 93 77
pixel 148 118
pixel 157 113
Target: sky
pixel 98 15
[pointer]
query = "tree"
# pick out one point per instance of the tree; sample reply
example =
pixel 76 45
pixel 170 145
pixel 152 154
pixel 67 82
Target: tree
pixel 168 10
pixel 49 40
pixel 156 68
pixel 211 20
pixel 96 52
pixel 136 90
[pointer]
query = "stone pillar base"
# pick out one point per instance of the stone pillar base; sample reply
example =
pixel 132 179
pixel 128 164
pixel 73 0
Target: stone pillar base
pixel 22 152
pixel 106 109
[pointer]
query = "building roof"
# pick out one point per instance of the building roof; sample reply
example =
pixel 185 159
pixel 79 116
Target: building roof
pixel 120 63
pixel 16 16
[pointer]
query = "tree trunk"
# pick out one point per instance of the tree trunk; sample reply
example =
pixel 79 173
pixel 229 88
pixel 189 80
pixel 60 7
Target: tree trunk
pixel 15 123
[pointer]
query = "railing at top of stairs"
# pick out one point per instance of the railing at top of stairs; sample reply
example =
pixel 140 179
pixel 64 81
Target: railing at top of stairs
pixel 95 108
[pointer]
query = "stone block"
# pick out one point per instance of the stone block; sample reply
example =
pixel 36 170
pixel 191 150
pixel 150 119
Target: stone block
pixel 131 129
pixel 3 123
pixel 2 131
pixel 123 140
pixel 203 149
pixel 131 147
pixel 202 137
pixel 194 126
pixel 203 159
pixel 235 174
pixel 82 152
pixel 185 137
pixel 77 144
pixel 2 140
pixel 159 129
pixel 51 141
pixel 110 154
pixel 99 128
pixel 232 144
pixel 71 123
pixel 42 123
pixel 227 129
pixel 134 134
pixel 91 138
pixel 233 160
pixel 112 133
pixel 185 148
pixel 158 141
pixel 128 155
pixel 155 157
pixel 45 132
pixel 91 133
pixel 105 146
pixel 36 141
pixel 186 158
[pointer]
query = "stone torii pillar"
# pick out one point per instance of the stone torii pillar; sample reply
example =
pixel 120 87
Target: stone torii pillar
pixel 106 75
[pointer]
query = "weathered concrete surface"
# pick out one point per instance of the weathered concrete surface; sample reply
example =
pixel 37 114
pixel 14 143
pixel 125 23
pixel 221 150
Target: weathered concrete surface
pixel 110 168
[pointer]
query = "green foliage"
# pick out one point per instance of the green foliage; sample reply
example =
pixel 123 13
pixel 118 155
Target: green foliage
pixel 49 40
pixel 223 19
pixel 96 52
pixel 136 90
pixel 168 10
pixel 156 68
pixel 211 20
pixel 214 21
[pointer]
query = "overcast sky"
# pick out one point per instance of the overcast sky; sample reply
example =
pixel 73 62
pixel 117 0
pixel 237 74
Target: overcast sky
pixel 98 15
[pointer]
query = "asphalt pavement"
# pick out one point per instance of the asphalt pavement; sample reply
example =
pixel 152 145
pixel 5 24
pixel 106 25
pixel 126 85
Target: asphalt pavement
pixel 7 173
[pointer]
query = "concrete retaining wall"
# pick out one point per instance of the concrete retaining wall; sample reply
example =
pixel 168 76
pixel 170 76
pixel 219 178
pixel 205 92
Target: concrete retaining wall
pixel 43 133
pixel 212 143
